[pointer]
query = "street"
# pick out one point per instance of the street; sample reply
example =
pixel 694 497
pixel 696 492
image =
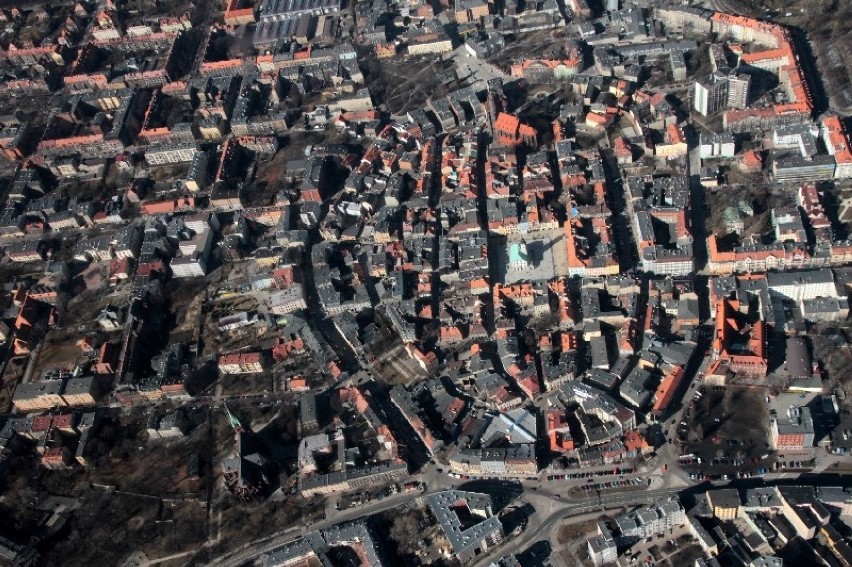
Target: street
pixel 562 512
pixel 567 511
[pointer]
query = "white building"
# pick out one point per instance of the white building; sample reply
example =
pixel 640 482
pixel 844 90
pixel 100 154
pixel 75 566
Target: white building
pixel 646 522
pixel 286 300
pixel 178 152
pixel 194 253
pixel 710 95
pixel 602 551
pixel 802 285
pixel 660 260
pixel 837 144
pixel 716 145
pixel 790 136
pixel 189 266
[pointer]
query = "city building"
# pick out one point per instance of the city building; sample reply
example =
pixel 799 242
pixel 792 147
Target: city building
pixel 648 521
pixel 602 549
pixel 241 363
pixel 467 522
pixel 710 94
pixel 725 503
pixel 712 146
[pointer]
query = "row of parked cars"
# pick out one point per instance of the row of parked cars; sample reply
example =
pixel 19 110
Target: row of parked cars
pixel 614 484
pixel 610 484
pixel 793 464
pixel 613 472
pixel 740 474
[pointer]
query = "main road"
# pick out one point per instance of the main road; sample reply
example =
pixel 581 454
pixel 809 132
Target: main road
pixel 573 509
pixel 565 510
pixel 259 547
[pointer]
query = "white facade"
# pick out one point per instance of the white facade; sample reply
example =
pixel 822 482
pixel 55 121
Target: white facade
pixel 287 300
pixel 791 136
pixel 104 34
pixel 494 467
pixel 650 521
pixel 602 551
pixel 717 147
pixel 682 267
pixel 170 153
pixel 804 285
pixel 188 266
pixel 843 171
pixel 710 96
pixel 436 46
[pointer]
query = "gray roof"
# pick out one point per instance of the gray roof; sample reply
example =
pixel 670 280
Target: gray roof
pixel 517 426
pixel 716 138
pixel 318 543
pixel 442 504
pixel 81 385
pixel 675 353
pixel 802 277
pixel 598 543
pixel 824 305
pixel 34 390
pixel 724 498
pixel 763 497
pixel 798 359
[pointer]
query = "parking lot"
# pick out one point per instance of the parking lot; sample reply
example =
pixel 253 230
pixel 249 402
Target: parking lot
pixel 620 484
pixel 725 433
pixel 615 471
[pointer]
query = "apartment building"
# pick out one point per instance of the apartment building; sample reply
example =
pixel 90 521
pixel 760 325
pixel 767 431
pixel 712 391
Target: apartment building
pixel 241 363
pixel 38 396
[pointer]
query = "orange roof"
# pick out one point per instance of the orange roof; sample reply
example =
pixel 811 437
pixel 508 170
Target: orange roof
pixel 450 333
pixel 667 388
pixel 168 206
pixel 526 131
pixel 210 65
pixel 240 358
pixel 780 53
pixel 751 158
pixel 506 123
pixel 837 139
pixel 54 454
pixel 41 423
pixel 634 441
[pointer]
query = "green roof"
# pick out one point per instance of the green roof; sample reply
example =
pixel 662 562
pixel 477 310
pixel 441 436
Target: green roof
pixel 517 253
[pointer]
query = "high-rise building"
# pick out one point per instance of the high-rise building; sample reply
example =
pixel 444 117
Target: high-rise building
pixel 718 91
pixel 710 95
pixel 738 88
pixel 602 550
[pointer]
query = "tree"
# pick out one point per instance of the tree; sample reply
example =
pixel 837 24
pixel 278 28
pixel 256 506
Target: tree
pixel 405 530
pixel 698 433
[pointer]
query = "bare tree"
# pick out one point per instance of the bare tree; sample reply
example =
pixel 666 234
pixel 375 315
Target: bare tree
pixel 697 432
pixel 405 530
